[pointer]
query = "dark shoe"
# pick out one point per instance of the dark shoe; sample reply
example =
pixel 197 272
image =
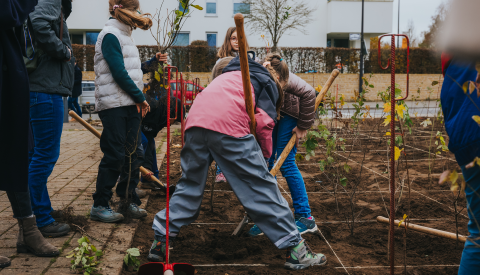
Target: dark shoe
pixel 141 193
pixel 105 214
pixel 54 230
pixel 301 257
pixel 30 239
pixel 4 262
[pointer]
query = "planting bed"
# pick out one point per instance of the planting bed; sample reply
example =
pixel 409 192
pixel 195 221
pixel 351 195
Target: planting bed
pixel 209 246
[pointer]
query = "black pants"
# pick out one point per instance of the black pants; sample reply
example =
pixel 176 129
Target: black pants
pixel 123 154
pixel 20 202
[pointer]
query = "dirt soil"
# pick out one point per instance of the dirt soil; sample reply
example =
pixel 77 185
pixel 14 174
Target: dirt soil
pixel 209 242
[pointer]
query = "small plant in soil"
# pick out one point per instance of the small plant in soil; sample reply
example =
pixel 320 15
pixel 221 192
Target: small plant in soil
pixel 85 257
pixel 131 260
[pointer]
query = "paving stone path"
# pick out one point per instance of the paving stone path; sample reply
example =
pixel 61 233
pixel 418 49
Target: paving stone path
pixel 71 184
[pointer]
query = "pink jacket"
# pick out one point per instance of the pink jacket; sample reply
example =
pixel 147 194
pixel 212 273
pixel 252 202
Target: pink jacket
pixel 221 108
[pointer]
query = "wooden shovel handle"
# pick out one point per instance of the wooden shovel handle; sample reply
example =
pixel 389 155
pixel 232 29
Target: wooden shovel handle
pixel 292 141
pixel 247 87
pixel 98 134
pixel 423 229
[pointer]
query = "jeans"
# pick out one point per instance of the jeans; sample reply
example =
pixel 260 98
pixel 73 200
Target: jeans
pixel 20 202
pixel 73 105
pixel 470 263
pixel 122 154
pixel 282 133
pixel 150 159
pixel 46 118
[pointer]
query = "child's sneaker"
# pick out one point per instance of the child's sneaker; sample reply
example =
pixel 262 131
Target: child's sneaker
pixel 255 231
pixel 306 225
pixel 220 178
pixel 104 214
pixel 136 212
pixel 157 251
pixel 301 257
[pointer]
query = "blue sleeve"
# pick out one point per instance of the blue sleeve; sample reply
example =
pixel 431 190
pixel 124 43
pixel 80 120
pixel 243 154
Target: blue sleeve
pixel 147 64
pixel 112 52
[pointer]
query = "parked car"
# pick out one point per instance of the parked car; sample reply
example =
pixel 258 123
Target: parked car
pixel 189 95
pixel 87 99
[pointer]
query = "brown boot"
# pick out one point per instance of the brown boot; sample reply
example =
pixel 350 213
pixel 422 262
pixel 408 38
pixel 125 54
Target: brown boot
pixel 31 240
pixel 4 262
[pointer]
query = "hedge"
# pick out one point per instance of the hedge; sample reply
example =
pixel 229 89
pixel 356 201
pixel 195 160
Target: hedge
pixel 202 58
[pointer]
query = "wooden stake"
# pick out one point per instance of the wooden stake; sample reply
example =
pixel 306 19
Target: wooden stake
pixel 423 229
pixel 247 87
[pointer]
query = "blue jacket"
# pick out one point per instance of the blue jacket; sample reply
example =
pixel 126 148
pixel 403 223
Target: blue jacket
pixel 458 109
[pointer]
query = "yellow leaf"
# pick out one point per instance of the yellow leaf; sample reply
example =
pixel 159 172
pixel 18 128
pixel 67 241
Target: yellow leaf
pixel 387 120
pixel 367 107
pixel 465 87
pixel 342 102
pixel 471 87
pixel 453 177
pixel 404 218
pixel 400 110
pixel 397 152
pixel 477 119
pixel 387 108
pixel 388 134
pixel 157 76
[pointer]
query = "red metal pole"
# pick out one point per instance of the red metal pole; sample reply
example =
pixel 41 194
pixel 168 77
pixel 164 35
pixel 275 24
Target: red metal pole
pixel 182 98
pixel 392 158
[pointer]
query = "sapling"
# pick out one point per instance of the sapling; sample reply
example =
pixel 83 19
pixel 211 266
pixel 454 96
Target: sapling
pixel 131 259
pixel 86 257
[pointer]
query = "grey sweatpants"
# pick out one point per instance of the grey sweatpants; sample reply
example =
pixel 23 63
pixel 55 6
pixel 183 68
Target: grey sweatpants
pixel 243 165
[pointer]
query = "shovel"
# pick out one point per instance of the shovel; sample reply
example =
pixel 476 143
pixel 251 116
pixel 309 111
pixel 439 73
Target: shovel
pixel 144 171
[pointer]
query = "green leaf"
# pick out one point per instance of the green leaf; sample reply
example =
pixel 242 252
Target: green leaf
pixel 179 13
pixel 343 182
pixel 322 165
pixel 347 168
pixel 86 273
pixel 371 86
pixel 99 253
pixel 330 160
pixel 197 7
pixel 434 83
pixel 125 259
pixel 377 105
pixel 133 251
pixel 94 249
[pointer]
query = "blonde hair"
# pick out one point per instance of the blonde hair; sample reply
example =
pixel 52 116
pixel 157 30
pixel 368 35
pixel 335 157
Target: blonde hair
pixel 222 63
pixel 127 14
pixel 279 71
pixel 226 49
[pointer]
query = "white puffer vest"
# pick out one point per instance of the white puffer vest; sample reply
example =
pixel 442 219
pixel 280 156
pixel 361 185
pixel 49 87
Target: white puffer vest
pixel 108 94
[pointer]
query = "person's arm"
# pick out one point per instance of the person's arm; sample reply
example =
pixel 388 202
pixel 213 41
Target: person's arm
pixel 161 58
pixel 14 13
pixel 112 52
pixel 306 93
pixel 265 125
pixel 44 34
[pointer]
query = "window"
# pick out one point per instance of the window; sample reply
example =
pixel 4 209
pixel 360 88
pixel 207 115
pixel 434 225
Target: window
pixel 212 39
pixel 183 39
pixel 329 42
pixel 76 38
pixel 341 43
pixel 239 7
pixel 91 37
pixel 211 8
pixel 180 7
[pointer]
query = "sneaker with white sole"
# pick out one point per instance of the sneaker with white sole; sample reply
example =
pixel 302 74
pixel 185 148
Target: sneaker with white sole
pixel 255 231
pixel 136 212
pixel 220 178
pixel 301 257
pixel 105 214
pixel 306 225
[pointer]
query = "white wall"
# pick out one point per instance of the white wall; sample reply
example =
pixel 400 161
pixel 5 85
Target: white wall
pixel 329 17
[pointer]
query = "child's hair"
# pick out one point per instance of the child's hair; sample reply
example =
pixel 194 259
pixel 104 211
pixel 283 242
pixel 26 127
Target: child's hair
pixel 126 11
pixel 226 49
pixel 222 63
pixel 279 71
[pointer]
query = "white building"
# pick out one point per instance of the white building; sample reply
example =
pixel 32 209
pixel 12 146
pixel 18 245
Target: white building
pixel 333 22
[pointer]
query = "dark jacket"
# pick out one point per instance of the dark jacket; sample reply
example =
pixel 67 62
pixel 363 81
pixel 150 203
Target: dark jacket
pixel 266 93
pixel 14 96
pixel 54 74
pixel 155 120
pixel 299 101
pixel 462 130
pixel 77 85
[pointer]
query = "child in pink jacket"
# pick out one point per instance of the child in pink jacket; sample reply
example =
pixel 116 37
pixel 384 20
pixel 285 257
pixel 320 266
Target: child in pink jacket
pixel 218 128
